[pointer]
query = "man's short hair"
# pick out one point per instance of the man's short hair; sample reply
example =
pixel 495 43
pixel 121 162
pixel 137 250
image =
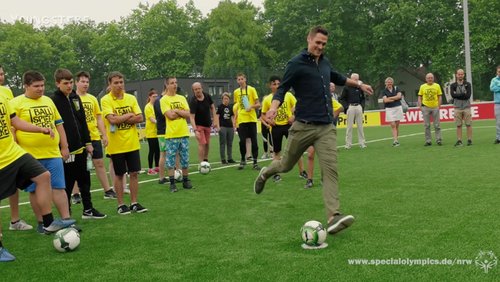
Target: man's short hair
pixel 113 74
pixel 61 74
pixel 318 29
pixel 226 94
pixel 30 77
pixel 274 78
pixel 81 74
pixel 241 74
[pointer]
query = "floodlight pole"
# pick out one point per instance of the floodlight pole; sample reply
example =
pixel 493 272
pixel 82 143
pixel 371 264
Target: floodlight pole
pixel 468 67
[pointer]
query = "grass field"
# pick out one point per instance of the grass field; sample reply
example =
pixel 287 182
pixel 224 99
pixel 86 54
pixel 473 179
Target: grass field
pixel 410 202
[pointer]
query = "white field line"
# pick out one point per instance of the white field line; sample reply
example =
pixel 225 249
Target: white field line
pixel 230 166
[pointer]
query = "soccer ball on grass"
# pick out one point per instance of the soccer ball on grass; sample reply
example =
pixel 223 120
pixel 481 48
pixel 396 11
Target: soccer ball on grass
pixel 66 240
pixel 178 175
pixel 204 167
pixel 313 233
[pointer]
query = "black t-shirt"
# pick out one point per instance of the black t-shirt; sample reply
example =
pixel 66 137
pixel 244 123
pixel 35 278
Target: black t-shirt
pixel 392 93
pixel 225 113
pixel 201 110
pixel 160 118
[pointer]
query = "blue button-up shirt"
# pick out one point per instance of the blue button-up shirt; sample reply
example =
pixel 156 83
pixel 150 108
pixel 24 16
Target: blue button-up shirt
pixel 311 84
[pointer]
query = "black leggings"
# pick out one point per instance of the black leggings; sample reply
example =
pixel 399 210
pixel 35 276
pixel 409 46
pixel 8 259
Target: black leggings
pixel 248 130
pixel 154 152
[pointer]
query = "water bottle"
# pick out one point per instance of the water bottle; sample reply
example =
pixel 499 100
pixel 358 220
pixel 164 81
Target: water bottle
pixel 89 162
pixel 112 128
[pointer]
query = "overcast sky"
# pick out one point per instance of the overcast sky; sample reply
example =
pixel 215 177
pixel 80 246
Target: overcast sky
pixel 59 12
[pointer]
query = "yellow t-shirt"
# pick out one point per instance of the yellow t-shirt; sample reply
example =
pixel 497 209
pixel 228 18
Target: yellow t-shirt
pixel 240 96
pixel 285 109
pixel 10 150
pixel 125 137
pixel 430 94
pixel 149 112
pixel 6 93
pixel 178 127
pixel 335 104
pixel 92 110
pixel 40 112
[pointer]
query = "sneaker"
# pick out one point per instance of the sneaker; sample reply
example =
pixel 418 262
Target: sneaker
pixel 362 146
pixel 93 213
pixel 39 228
pixel 173 188
pixel 497 141
pixel 276 178
pixel 5 256
pixel 427 144
pixel 395 144
pixel 163 180
pixel 138 208
pixel 58 224
pixel 303 174
pixel 309 184
pixel 152 172
pixel 223 161
pixel 231 161
pixel 260 182
pixel 347 147
pixel 157 169
pixel 265 156
pixel 469 142
pixel 339 223
pixel 123 210
pixel 439 142
pixel 249 158
pixel 256 166
pixel 187 184
pixel 110 194
pixel 76 199
pixel 126 190
pixel 459 143
pixel 242 165
pixel 20 225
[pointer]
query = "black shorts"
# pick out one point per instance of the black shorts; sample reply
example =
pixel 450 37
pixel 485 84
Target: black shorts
pixel 98 153
pixel 19 174
pixel 126 162
pixel 277 134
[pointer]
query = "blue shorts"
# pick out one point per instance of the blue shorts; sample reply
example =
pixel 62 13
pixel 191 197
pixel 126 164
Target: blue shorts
pixel 56 169
pixel 175 145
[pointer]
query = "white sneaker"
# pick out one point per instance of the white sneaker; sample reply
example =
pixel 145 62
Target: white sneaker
pixel 21 225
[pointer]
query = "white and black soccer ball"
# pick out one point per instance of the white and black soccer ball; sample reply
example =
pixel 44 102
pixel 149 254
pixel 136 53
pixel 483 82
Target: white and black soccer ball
pixel 178 175
pixel 313 233
pixel 66 240
pixel 204 167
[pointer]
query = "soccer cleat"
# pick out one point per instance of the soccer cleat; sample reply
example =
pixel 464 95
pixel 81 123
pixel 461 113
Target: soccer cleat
pixel 260 182
pixel 362 146
pixel 163 180
pixel 242 165
pixel 76 199
pixel 427 144
pixel 303 174
pixel 58 224
pixel 138 208
pixel 110 194
pixel 439 142
pixel 276 178
pixel 173 188
pixel 5 256
pixel 39 228
pixel 309 184
pixel 93 213
pixel 395 144
pixel 231 161
pixel 123 210
pixel 339 223
pixel 256 166
pixel 187 184
pixel 469 142
pixel 458 144
pixel 20 225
